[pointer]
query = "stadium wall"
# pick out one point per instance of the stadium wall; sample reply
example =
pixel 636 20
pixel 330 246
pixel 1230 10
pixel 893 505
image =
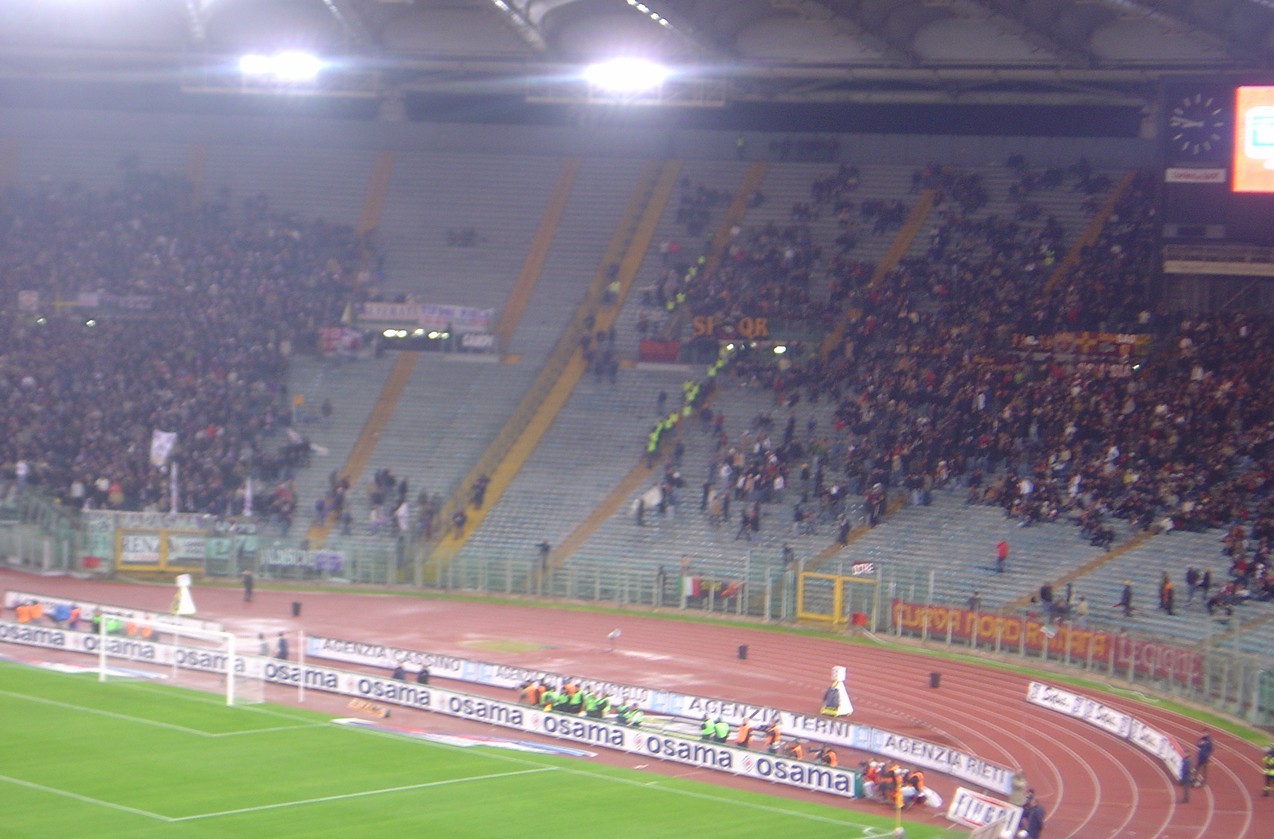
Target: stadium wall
pixel 86 127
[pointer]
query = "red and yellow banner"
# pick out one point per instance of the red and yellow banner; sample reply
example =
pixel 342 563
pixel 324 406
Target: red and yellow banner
pixel 1097 345
pixel 1145 658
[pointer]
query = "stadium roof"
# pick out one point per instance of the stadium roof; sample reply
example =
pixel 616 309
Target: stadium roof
pixel 1094 52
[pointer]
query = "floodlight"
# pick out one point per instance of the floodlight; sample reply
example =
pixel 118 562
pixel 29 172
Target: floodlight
pixel 626 75
pixel 282 67
pixel 296 66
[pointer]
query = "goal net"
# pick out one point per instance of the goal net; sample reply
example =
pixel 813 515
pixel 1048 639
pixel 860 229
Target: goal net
pixel 204 659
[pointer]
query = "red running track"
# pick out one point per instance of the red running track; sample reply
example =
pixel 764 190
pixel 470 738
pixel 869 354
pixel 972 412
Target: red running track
pixel 1091 784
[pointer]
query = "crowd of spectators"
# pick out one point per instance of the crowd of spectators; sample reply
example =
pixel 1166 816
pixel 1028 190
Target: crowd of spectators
pixel 138 309
pixel 930 388
pixel 768 271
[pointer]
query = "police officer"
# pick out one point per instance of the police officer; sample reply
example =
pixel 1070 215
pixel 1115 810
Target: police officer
pixel 1202 757
pixel 1267 763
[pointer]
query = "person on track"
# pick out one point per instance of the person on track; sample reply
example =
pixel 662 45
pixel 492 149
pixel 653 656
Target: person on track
pixel 1202 756
pixel 1267 765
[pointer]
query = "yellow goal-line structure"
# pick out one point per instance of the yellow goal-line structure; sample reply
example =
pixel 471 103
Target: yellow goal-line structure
pixel 840 600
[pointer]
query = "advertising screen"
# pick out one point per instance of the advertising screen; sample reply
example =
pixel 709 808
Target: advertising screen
pixel 1254 139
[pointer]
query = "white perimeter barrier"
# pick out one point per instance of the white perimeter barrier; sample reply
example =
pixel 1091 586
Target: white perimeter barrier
pixel 1125 726
pixel 940 758
pixel 973 809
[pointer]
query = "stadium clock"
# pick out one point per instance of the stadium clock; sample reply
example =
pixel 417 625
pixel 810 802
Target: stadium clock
pixel 1198 125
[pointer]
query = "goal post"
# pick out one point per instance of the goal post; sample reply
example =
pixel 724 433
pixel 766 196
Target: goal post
pixel 206 659
pixel 840 600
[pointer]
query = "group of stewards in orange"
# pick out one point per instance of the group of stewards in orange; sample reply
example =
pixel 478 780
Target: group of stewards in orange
pixel 33 610
pixel 28 612
pixel 886 782
pixel 772 739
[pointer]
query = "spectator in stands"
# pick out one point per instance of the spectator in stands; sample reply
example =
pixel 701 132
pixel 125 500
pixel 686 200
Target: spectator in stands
pixel 1080 613
pixel 1047 606
pixel 1166 594
pixel 1192 583
pixel 478 492
pixel 1125 599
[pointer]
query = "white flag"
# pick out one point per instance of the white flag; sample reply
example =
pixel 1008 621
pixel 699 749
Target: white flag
pixel 247 498
pixel 161 446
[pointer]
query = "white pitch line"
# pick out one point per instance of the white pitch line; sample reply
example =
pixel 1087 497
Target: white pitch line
pixel 250 731
pixel 217 700
pixel 364 794
pixel 84 798
pixel 111 714
pixel 157 723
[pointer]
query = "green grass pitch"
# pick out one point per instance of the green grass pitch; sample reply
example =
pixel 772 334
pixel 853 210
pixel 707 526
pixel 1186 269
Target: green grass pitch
pixel 140 759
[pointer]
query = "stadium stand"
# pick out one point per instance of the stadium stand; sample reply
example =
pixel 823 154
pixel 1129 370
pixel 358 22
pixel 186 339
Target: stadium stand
pixel 1008 222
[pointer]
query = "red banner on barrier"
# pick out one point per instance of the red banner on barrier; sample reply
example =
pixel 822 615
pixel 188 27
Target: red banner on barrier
pixel 659 351
pixel 1145 658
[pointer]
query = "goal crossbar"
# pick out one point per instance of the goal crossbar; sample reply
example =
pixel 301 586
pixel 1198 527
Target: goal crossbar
pixel 223 644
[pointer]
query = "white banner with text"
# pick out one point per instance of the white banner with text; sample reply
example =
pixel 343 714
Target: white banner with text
pixel 1124 726
pixel 837 732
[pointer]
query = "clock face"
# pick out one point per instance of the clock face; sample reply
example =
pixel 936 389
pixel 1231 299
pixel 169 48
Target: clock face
pixel 1198 125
